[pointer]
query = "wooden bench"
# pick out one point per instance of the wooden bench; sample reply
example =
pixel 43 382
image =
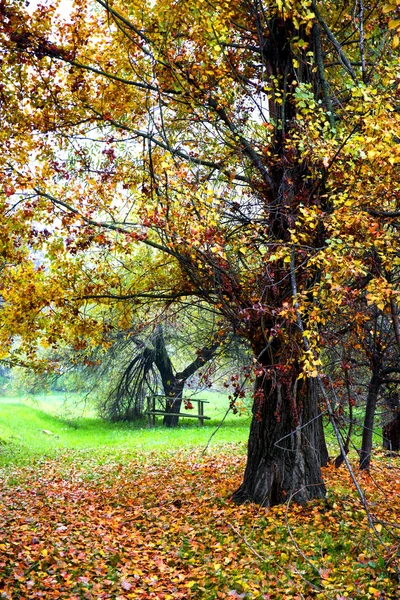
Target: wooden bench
pixel 153 411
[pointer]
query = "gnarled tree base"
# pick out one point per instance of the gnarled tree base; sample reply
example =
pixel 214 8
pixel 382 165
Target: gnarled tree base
pixel 277 482
pixel 284 458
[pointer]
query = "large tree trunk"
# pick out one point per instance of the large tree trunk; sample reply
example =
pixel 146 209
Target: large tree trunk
pixel 284 450
pixel 372 400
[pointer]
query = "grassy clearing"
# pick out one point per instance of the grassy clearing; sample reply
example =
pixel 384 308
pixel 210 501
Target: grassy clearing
pixel 25 421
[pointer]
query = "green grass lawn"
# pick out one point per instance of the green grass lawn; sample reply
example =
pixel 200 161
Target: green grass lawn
pixel 45 425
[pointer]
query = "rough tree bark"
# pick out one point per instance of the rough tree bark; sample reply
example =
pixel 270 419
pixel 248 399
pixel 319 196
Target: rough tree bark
pixel 285 450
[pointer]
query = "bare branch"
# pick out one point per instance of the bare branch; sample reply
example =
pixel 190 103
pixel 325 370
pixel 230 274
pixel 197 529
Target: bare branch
pixel 102 224
pixel 175 151
pixel 155 296
pixel 381 213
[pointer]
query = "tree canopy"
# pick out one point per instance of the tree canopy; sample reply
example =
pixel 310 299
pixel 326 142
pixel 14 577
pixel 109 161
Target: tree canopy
pixel 242 155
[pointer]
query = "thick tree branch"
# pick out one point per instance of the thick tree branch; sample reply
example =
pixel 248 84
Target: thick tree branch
pixel 389 371
pixel 204 356
pixel 321 72
pixel 343 58
pixel 255 158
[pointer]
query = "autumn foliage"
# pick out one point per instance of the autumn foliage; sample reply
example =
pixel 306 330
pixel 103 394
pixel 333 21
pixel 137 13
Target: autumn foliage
pixel 163 527
pixel 236 157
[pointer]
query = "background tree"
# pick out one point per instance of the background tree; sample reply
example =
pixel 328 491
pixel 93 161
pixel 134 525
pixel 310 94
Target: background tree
pixel 151 371
pixel 245 145
pixel 361 363
pixel 391 428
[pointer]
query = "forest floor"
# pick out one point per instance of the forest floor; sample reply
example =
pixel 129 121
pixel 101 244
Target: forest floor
pixel 87 522
pixel 162 526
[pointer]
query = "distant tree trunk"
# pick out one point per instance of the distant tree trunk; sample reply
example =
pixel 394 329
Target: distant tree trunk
pixel 172 384
pixel 284 450
pixel 391 431
pixel 372 400
pixel 391 435
pixel 323 450
pixel 174 394
pixel 346 443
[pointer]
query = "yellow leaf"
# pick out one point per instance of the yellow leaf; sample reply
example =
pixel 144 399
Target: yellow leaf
pixel 372 590
pixel 284 556
pixel 388 8
pixel 394 24
pixel 378 527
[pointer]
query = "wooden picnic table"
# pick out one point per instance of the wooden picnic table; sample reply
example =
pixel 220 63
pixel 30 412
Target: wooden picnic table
pixel 157 400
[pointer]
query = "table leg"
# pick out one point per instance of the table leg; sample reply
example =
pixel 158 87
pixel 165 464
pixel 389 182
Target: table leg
pixel 201 412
